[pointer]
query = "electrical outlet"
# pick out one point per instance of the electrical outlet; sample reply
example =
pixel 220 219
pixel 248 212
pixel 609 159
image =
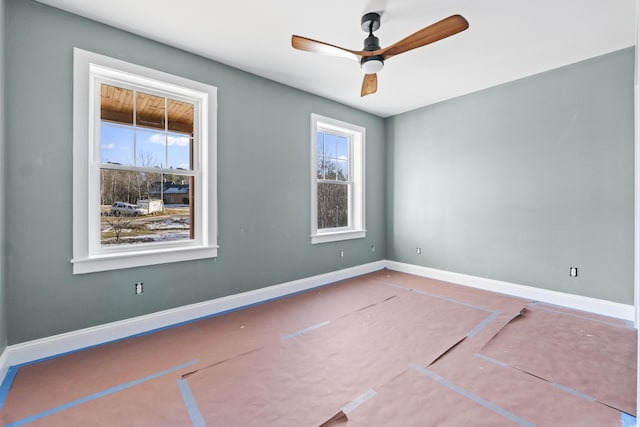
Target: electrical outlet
pixel 418 251
pixel 373 248
pixel 341 254
pixel 138 288
pixel 573 271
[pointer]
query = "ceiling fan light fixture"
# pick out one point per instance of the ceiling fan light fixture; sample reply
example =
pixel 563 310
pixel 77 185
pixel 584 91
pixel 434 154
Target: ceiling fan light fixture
pixel 371 64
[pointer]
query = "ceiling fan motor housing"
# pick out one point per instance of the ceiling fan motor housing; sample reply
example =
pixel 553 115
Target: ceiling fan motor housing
pixel 371 43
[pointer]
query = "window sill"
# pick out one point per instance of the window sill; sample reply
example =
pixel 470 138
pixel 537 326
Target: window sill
pixel 139 259
pixel 336 236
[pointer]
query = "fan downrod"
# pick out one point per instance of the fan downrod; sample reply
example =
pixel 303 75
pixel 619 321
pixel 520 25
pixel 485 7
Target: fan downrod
pixel 370 23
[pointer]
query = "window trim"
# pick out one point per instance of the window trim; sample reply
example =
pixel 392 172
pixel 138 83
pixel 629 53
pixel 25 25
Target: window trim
pixel 86 259
pixel 357 137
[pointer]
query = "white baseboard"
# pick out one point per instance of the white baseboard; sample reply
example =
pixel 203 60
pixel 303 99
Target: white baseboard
pixel 578 302
pixel 19 354
pixel 55 345
pixel 4 365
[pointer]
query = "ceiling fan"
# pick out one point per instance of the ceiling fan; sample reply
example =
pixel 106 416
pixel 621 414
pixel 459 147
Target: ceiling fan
pixel 372 57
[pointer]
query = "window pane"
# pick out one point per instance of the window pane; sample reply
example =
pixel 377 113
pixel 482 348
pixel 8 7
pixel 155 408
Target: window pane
pixel 330 145
pixel 122 186
pixel 343 148
pixel 342 170
pixel 140 207
pixel 319 145
pixel 116 104
pixel 116 144
pixel 333 205
pixel 179 151
pixel 180 116
pixel 320 168
pixel 151 149
pixel 150 111
pixel 330 168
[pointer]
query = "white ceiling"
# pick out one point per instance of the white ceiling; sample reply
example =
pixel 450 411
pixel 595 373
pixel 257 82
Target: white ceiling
pixel 506 40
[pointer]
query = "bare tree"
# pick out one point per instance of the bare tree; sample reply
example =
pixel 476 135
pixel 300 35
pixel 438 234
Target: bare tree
pixel 147 159
pixel 126 185
pixel 118 223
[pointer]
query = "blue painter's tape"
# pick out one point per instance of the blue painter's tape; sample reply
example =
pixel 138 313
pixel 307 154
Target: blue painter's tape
pixel 630 324
pixel 358 401
pixel 6 383
pixel 302 331
pixel 482 324
pixel 495 408
pixel 98 395
pixel 190 402
pixel 627 420
pixel 556 385
pixel 491 360
pixel 393 285
pixel 477 307
pixel 493 314
pixel 574 392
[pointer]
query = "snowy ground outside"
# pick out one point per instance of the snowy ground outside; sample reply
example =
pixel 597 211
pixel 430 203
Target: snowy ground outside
pixel 172 225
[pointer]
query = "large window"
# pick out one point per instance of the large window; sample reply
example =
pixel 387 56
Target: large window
pixel 337 190
pixel 144 166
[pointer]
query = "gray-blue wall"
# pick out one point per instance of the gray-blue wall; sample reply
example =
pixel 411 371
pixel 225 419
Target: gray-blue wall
pixel 3 311
pixel 263 182
pixel 515 183
pixel 521 181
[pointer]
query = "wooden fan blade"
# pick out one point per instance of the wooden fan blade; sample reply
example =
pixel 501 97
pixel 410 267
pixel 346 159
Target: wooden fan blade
pixel 315 46
pixel 369 84
pixel 434 32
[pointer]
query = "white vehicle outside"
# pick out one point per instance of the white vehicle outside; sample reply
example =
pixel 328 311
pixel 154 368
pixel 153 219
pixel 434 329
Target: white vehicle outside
pixel 122 208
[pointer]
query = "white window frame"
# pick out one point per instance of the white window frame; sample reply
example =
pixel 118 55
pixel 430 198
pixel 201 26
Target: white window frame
pixel 356 136
pixel 88 256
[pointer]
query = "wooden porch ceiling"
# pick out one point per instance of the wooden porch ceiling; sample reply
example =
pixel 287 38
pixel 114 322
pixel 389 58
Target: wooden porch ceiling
pixel 117 105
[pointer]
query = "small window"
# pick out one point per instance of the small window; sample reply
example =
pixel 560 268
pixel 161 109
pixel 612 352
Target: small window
pixel 337 191
pixel 144 166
